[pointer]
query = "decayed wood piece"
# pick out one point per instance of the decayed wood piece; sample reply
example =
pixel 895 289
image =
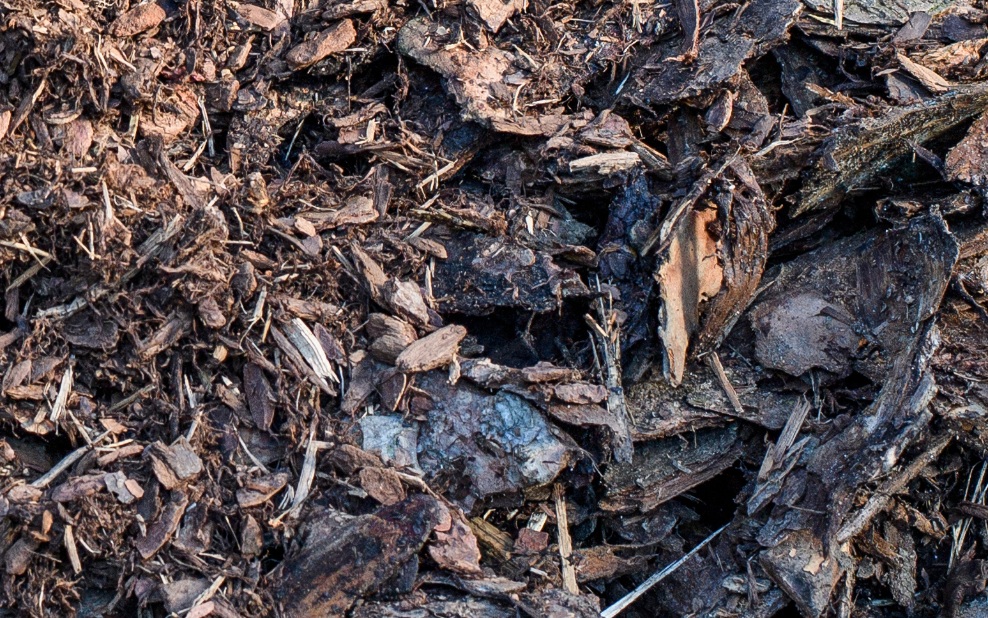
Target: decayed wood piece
pixel 747 222
pixel 662 470
pixel 967 160
pixel 856 154
pixel 812 314
pixel 733 39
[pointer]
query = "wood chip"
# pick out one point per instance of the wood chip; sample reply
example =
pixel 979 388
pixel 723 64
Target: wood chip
pixel 332 40
pixel 141 18
pixel 432 351
pixel 260 17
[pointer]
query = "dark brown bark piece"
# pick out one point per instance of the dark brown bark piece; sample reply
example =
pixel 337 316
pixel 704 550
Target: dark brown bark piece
pixel 332 572
pixel 257 491
pixel 161 530
pixel 733 39
pixel 389 336
pixel 260 396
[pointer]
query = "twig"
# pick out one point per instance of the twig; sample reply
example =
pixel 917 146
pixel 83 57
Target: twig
pixel 565 542
pixel 644 587
pixel 69 541
pixel 880 500
pixel 42 481
pixel 609 335
pixel 777 451
pixel 64 390
pixel 713 360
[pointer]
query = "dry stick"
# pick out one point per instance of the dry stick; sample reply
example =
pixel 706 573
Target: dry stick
pixel 880 500
pixel 776 452
pixel 565 542
pixel 632 596
pixel 69 540
pixel 607 331
pixel 732 395
pixel 42 481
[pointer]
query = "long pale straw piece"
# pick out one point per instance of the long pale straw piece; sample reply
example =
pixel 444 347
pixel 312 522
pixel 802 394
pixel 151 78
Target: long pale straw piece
pixel 632 596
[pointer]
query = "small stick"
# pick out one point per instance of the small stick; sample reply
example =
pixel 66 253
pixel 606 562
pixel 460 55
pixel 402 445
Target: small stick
pixel 565 542
pixel 732 395
pixel 632 596
pixel 69 541
pixel 42 481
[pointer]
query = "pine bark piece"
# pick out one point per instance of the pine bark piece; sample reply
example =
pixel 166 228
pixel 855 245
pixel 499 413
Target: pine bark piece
pixel 455 549
pixel 432 351
pixel 390 336
pixel 968 160
pixel 495 12
pixel 382 484
pixel 333 571
pixel 332 40
pixel 138 19
pixel 475 78
pixel 406 300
